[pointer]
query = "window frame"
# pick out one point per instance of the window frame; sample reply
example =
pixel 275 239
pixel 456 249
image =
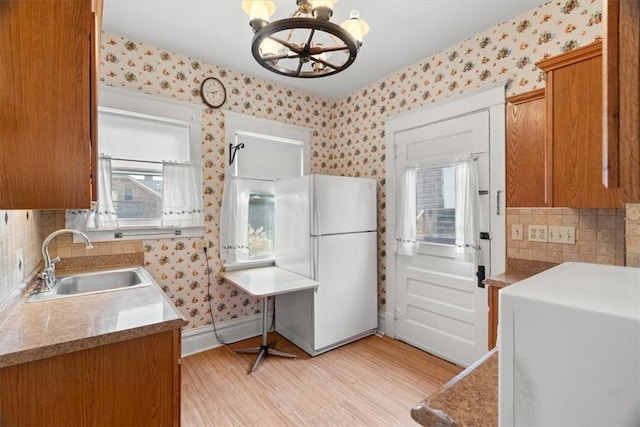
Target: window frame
pixel 241 124
pixel 145 106
pixel 446 250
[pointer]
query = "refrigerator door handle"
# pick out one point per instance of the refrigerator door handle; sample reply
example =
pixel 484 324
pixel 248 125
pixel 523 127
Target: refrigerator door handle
pixel 314 259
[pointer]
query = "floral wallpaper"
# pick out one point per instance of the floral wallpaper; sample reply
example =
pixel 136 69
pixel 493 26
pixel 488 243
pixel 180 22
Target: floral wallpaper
pixel 348 134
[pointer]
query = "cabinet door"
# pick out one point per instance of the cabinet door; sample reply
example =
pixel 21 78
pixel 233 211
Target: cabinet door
pixel 128 383
pixel 574 116
pixel 45 108
pixel 622 88
pixel 529 180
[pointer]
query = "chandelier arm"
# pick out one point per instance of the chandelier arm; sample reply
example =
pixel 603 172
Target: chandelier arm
pixel 322 61
pixel 288 55
pixel 300 64
pixel 324 49
pixel 307 43
pixel 291 46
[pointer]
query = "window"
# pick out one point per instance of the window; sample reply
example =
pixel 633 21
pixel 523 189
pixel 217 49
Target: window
pixel 436 205
pixel 149 152
pixel 127 193
pixel 258 153
pixel 261 225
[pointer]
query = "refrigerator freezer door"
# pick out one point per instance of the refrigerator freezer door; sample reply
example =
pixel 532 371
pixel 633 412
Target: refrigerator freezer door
pixel 345 305
pixel 343 205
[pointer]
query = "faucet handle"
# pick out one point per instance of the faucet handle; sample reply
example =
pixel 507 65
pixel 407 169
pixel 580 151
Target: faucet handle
pixel 55 260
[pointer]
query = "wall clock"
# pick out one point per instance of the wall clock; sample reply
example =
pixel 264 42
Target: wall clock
pixel 213 92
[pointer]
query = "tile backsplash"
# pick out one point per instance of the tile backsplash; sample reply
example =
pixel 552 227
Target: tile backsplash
pixel 632 229
pixel 599 235
pixel 19 249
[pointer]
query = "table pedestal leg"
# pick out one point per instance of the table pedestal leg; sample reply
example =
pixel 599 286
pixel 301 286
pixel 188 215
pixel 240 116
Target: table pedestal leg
pixel 265 347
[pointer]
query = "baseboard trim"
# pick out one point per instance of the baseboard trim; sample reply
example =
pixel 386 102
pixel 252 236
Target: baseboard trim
pixel 196 340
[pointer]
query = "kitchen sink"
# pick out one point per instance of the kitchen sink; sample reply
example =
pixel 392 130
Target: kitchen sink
pixel 91 283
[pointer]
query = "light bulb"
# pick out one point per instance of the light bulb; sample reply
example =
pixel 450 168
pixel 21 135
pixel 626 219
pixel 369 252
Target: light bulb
pixel 322 9
pixel 356 27
pixel 258 9
pixel 269 47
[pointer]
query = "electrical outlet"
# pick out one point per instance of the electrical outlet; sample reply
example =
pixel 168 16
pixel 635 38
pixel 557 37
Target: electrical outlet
pixel 201 244
pixel 516 232
pixel 537 233
pixel 560 234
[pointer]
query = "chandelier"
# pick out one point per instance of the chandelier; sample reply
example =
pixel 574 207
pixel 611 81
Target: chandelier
pixel 306 44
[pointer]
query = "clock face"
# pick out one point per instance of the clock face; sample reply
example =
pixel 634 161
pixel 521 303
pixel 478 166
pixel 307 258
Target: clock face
pixel 213 92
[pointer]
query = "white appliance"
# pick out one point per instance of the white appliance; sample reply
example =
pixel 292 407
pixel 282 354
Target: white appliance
pixel 325 229
pixel 570 348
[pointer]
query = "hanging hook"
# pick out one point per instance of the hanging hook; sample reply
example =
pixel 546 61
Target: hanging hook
pixel 232 151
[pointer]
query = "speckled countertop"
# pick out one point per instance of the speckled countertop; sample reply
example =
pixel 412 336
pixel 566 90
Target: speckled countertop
pixel 516 270
pixel 36 330
pixel 469 399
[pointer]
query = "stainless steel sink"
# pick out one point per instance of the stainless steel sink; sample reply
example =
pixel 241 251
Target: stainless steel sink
pixel 90 283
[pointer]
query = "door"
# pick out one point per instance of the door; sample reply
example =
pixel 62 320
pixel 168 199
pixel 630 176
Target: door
pixel 439 306
pixel 346 301
pixel 343 205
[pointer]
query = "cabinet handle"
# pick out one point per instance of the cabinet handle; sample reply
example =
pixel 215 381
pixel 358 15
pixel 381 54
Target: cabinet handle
pixel 498 202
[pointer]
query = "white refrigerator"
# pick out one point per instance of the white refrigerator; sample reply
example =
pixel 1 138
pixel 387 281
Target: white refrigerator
pixel 326 229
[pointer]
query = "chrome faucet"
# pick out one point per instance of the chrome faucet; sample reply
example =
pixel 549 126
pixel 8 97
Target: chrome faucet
pixel 48 273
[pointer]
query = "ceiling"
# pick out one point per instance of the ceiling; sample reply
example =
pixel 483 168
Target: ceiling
pixel 402 32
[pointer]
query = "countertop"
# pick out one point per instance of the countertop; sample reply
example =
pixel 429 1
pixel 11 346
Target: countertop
pixel 516 270
pixel 469 399
pixel 37 330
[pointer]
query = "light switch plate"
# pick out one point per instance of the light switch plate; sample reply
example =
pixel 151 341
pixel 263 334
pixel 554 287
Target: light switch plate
pixel 561 234
pixel 537 233
pixel 516 232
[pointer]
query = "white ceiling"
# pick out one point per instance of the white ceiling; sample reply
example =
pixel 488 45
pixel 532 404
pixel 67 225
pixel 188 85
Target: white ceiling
pixel 402 32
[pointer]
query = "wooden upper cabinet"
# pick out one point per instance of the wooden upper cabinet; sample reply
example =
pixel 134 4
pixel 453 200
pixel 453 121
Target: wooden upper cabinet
pixel 528 166
pixel 574 125
pixel 621 138
pixel 45 112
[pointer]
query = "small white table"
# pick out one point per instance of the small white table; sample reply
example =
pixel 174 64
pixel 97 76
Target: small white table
pixel 265 282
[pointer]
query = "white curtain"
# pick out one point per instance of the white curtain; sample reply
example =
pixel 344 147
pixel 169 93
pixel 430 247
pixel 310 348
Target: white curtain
pixel 467 210
pixel 234 220
pixel 182 195
pixel 405 243
pixel 103 215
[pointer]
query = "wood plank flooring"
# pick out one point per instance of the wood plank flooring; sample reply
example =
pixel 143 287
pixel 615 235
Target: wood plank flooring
pixel 374 382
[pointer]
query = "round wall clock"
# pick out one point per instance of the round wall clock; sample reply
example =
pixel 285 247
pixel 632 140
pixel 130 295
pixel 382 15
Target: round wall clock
pixel 213 92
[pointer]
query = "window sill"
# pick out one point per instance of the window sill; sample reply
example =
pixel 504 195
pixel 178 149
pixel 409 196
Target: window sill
pixel 250 264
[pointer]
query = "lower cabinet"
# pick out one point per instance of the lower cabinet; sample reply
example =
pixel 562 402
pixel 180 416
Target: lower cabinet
pixel 134 382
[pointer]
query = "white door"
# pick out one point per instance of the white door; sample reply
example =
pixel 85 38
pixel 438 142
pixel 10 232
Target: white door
pixel 439 305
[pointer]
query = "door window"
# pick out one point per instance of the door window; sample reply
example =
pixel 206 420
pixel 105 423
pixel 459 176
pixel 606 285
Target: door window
pixel 436 205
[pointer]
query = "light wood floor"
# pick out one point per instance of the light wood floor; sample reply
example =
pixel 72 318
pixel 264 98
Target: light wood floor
pixel 373 382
